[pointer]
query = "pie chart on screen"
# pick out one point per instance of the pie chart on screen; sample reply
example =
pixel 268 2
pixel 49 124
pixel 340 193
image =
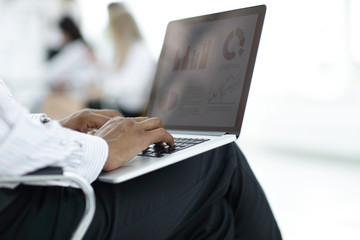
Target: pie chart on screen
pixel 234 44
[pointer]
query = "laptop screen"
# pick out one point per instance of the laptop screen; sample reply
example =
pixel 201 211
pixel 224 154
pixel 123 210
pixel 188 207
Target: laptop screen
pixel 204 71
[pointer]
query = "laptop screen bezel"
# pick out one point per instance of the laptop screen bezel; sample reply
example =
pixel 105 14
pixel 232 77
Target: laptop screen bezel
pixel 260 12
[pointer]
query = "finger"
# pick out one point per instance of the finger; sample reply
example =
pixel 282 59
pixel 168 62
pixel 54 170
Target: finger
pixel 98 120
pixel 140 119
pixel 160 135
pixel 151 123
pixel 107 112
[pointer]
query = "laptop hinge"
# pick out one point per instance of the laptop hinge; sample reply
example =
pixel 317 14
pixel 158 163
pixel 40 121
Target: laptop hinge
pixel 197 132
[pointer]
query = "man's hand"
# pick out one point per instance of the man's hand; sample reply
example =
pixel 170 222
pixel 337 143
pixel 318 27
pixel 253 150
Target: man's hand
pixel 127 137
pixel 88 119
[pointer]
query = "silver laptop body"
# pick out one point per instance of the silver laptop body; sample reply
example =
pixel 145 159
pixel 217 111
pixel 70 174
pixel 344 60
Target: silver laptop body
pixel 201 85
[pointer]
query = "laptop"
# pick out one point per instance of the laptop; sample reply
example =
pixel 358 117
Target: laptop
pixel 201 86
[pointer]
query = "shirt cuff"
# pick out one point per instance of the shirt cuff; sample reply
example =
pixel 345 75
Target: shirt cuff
pixel 96 152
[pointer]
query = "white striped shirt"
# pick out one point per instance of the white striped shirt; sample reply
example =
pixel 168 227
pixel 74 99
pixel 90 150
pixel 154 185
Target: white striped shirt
pixel 26 144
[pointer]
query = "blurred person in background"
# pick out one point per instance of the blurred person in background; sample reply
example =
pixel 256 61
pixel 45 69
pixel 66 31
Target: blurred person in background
pixel 129 72
pixel 70 71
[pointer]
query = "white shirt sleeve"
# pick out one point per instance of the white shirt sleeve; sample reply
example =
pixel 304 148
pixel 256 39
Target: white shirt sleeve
pixel 27 145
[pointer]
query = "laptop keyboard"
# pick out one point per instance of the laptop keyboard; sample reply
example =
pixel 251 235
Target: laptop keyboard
pixel 180 144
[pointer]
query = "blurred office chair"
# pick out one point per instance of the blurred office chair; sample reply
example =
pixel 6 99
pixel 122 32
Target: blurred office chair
pixel 55 173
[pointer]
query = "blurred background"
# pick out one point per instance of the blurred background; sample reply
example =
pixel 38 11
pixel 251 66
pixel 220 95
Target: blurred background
pixel 302 122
